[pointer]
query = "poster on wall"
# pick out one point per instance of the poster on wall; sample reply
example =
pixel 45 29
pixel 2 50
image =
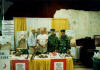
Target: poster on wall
pixel 21 40
pixel 97 40
pixel 58 64
pixel 4 60
pixel 7 38
pixel 20 65
pixel 7 42
pixel 8 27
pixel 71 34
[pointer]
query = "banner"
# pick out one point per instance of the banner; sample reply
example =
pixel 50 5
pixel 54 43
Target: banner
pixel 58 64
pixel 72 36
pixel 4 60
pixel 8 33
pixel 20 65
pixel 8 27
pixel 7 42
pixel 21 39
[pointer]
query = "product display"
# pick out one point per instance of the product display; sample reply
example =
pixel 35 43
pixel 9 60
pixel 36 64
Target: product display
pixel 49 35
pixel 42 40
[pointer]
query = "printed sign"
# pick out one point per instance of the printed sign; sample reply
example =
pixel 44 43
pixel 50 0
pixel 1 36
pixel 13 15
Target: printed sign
pixel 20 65
pixel 4 60
pixel 58 64
pixel 21 40
pixel 7 28
pixel 7 42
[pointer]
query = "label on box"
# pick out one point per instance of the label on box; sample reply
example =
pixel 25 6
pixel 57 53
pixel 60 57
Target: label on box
pixel 20 66
pixel 58 65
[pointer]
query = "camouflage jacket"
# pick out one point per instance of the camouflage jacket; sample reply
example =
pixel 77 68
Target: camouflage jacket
pixel 64 44
pixel 53 42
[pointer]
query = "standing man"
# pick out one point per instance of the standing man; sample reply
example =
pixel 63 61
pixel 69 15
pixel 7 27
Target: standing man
pixel 64 42
pixel 42 40
pixel 38 31
pixel 32 42
pixel 52 41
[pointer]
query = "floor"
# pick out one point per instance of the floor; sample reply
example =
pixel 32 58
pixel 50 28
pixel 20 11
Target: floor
pixel 83 69
pixel 80 66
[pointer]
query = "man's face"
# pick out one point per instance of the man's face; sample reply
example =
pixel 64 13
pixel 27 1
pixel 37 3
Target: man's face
pixel 62 33
pixel 52 32
pixel 33 31
pixel 42 31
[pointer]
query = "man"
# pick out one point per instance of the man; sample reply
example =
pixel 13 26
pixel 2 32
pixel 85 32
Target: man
pixel 42 41
pixel 52 41
pixel 38 31
pixel 64 43
pixel 32 42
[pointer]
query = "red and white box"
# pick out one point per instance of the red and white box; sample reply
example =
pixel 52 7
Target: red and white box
pixel 20 65
pixel 58 64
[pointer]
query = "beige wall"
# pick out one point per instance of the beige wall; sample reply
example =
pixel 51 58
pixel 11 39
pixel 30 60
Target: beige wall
pixel 84 23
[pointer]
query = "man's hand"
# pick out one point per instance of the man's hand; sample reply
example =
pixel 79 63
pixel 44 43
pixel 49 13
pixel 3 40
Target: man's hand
pixel 43 46
pixel 33 47
pixel 36 47
pixel 68 52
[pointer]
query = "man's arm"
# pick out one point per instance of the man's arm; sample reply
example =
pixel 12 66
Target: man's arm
pixel 30 42
pixel 45 43
pixel 38 41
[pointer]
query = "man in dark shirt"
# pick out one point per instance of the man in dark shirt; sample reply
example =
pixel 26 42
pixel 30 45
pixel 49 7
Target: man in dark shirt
pixel 64 42
pixel 52 41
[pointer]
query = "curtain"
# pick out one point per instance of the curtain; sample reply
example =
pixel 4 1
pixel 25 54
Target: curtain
pixel 20 25
pixel 44 64
pixel 39 64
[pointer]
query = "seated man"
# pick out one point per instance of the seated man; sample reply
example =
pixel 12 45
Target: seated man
pixel 52 41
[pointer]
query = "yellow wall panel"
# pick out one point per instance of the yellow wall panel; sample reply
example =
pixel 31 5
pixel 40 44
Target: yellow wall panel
pixel 59 23
pixel 20 25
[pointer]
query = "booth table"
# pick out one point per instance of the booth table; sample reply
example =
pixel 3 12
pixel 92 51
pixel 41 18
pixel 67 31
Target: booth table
pixel 45 64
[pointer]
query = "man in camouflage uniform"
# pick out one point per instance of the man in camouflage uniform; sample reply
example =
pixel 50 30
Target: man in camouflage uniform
pixel 64 45
pixel 52 41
